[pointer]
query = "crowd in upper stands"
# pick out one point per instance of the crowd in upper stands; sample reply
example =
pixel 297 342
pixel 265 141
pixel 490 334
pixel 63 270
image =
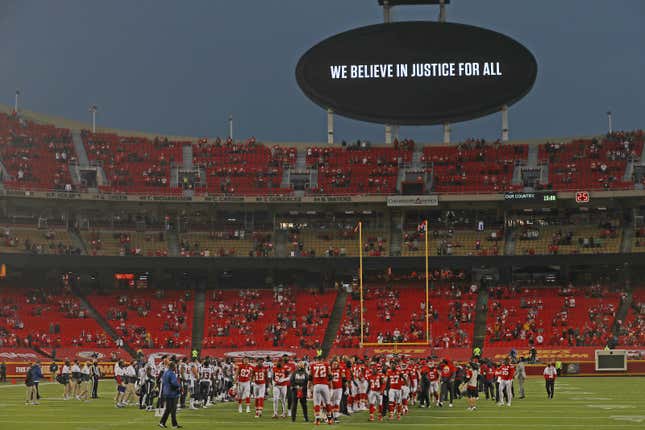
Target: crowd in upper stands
pixel 40 155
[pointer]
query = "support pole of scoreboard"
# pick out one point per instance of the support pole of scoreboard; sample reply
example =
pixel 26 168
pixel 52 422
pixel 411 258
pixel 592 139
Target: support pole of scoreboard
pixel 388 134
pixel 442 11
pixel 504 123
pixel 330 127
pixel 442 18
pixel 387 18
pixel 446 133
pixel 360 274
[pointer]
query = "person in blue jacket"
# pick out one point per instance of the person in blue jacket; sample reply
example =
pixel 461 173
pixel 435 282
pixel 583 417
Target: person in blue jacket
pixel 34 375
pixel 171 392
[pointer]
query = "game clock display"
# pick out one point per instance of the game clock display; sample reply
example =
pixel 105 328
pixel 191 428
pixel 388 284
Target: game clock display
pixel 530 197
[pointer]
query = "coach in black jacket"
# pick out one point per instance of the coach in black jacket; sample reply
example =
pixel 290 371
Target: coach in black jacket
pixel 299 380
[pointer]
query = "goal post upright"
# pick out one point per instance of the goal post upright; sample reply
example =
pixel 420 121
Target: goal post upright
pixel 360 275
pixel 396 345
pixel 427 304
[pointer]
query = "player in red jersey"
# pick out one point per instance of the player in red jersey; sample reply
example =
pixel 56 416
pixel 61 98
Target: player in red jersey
pixel 413 375
pixel 280 383
pixel 259 387
pixel 289 367
pixel 488 378
pixel 243 377
pixel 395 380
pixel 433 377
pixel 472 376
pixel 405 387
pixel 320 374
pixel 497 378
pixel 337 383
pixel 506 374
pixel 362 384
pixel 375 396
pixel 349 385
pixel 356 386
pixel 424 391
pixel 446 373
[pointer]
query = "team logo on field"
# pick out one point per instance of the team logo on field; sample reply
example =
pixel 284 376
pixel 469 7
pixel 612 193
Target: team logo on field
pixel 89 355
pixel 18 356
pixel 157 355
pixel 258 354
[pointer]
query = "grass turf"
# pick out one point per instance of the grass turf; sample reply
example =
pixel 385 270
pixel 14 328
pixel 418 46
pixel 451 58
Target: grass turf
pixel 580 403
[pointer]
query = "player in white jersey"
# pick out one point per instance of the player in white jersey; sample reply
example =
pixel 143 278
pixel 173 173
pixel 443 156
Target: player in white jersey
pixel 184 381
pixel 161 369
pixel 218 380
pixel 119 375
pixel 227 376
pixel 141 383
pixel 205 383
pixel 193 377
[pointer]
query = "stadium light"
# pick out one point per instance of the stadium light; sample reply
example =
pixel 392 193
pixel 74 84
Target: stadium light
pixel 15 103
pixel 230 126
pixel 93 110
pixel 609 124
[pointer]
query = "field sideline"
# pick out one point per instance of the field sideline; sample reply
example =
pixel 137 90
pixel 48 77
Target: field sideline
pixel 611 402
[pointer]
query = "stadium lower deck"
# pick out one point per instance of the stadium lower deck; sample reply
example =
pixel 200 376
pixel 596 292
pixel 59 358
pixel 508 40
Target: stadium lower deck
pixel 579 403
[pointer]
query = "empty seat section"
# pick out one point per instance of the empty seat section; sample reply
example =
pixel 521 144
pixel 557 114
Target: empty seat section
pixel 473 166
pixel 126 242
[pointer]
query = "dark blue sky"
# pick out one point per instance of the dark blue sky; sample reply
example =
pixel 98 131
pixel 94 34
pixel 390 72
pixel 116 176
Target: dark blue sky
pixel 180 67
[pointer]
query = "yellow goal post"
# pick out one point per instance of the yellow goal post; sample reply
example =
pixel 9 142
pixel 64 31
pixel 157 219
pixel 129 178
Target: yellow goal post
pixel 396 345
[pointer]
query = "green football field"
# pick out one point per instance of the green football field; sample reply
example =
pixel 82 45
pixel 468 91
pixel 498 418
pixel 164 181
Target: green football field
pixel 585 403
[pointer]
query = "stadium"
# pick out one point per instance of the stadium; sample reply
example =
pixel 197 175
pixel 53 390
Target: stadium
pixel 418 277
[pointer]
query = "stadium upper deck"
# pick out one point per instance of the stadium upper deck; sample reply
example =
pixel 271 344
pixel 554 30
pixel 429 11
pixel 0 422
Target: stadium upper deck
pixel 38 156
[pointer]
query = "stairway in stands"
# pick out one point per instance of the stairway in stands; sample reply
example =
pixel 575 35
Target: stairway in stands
pixel 78 242
pixel 173 243
pixel 334 321
pixel 187 157
pixel 301 161
pixel 481 315
pixel 100 320
pixel 621 314
pixel 199 311
pixel 280 243
pixel 509 242
pixel 532 158
pixel 83 161
pixel 627 238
